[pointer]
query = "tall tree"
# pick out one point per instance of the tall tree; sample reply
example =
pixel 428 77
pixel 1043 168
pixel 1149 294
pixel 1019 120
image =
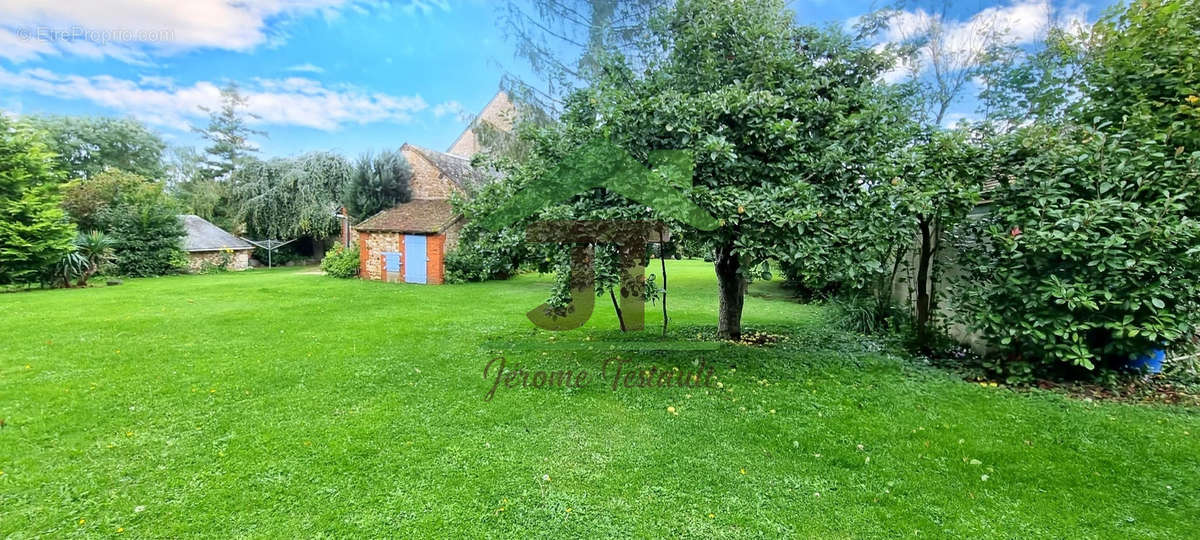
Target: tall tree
pixel 939 61
pixel 86 146
pixel 228 134
pixel 34 232
pixel 1035 84
pixel 939 58
pixel 209 192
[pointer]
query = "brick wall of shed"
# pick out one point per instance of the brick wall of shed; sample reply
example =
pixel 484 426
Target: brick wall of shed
pixel 372 245
pixel 435 255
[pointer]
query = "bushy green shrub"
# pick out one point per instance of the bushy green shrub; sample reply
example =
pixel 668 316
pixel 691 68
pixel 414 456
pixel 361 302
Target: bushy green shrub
pixel 149 239
pixel 1091 251
pixel 485 256
pixel 137 214
pixel 341 262
pixel 1091 254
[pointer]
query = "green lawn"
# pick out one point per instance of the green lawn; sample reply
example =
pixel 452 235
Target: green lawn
pixel 282 403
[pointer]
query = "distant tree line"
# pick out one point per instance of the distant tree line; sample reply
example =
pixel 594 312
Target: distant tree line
pixel 87 195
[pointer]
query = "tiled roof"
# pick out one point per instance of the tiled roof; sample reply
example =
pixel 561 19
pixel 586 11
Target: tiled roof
pixel 204 236
pixel 420 216
pixel 457 168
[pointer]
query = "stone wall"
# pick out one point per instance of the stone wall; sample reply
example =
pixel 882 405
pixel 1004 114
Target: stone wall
pixel 371 248
pixel 452 233
pixel 427 181
pixel 201 260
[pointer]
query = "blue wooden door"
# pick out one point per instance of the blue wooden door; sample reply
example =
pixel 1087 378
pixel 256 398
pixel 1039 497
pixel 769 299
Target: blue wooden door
pixel 414 258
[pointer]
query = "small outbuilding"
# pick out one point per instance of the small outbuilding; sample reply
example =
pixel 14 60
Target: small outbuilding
pixel 208 246
pixel 408 243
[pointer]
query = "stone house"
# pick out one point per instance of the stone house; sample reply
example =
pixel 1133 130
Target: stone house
pixel 208 246
pixel 408 243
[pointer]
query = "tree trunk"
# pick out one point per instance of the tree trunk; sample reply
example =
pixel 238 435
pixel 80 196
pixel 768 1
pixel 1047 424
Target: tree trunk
pixel 617 307
pixel 663 262
pixel 732 287
pixel 933 271
pixel 923 263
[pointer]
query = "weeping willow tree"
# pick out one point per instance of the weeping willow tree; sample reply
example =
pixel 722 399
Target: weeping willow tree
pixel 292 197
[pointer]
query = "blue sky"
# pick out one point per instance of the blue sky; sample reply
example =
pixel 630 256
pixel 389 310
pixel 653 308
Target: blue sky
pixel 343 75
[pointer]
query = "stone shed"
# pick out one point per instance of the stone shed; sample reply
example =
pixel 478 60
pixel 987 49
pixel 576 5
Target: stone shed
pixel 208 245
pixel 408 243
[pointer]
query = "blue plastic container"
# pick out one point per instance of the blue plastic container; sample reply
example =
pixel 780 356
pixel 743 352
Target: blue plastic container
pixel 1151 362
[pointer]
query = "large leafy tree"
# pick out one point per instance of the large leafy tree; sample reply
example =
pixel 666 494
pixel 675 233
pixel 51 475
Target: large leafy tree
pixel 782 121
pixel 778 118
pixel 86 146
pixel 379 182
pixel 34 232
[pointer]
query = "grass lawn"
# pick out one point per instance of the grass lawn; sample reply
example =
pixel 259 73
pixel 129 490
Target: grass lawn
pixel 282 403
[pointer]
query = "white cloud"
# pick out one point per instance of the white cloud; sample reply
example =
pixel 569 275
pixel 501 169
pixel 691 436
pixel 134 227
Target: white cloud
pixel 132 29
pixel 1020 23
pixel 425 7
pixel 454 108
pixel 306 68
pixel 293 101
pixel 17 46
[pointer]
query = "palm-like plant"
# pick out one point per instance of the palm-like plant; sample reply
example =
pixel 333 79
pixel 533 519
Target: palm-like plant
pixel 69 267
pixel 96 248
